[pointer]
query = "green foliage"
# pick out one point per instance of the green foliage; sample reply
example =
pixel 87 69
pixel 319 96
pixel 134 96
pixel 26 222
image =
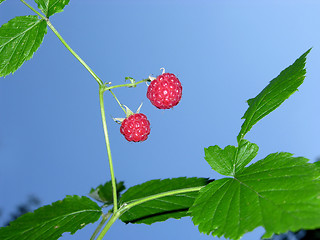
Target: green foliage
pixel 158 210
pixel 103 193
pixel 50 7
pixel 275 93
pixel 49 222
pixel 1 1
pixel 317 164
pixel 279 192
pixel 19 39
pixel 232 159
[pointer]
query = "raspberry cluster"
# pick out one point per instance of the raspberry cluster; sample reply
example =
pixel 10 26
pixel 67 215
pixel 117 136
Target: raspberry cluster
pixel 135 128
pixel 165 91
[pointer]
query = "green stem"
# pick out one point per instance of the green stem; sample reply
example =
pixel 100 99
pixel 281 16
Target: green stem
pixel 99 81
pixel 117 101
pixel 125 207
pixel 129 205
pixel 105 130
pixel 126 85
pixel 65 44
pixel 108 225
pixel 104 219
pixel 43 17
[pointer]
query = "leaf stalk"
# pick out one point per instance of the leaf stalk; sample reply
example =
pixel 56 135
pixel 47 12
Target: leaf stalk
pixel 39 14
pixel 99 81
pixel 105 217
pixel 126 206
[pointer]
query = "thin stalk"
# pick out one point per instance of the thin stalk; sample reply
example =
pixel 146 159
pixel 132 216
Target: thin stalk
pixel 105 130
pixel 103 221
pixel 39 14
pixel 126 85
pixel 118 101
pixel 129 205
pixel 65 44
pixel 108 225
pixel 125 207
pixel 99 81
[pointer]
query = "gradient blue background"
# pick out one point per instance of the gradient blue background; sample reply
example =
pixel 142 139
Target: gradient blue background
pixel 224 52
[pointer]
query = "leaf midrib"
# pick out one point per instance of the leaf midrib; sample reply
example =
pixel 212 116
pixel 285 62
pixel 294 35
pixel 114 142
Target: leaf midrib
pixel 267 199
pixel 258 107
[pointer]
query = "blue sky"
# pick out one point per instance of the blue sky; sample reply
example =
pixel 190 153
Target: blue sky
pixel 224 52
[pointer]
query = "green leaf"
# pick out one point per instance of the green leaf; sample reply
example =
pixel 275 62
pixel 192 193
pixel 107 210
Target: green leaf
pixel 132 80
pixel 103 193
pixel 317 165
pixel 275 93
pixel 50 7
pixel 49 222
pixel 279 192
pixel 231 159
pixel 158 210
pixel 1 1
pixel 19 39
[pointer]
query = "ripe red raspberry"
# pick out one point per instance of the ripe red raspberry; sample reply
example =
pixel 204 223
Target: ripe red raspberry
pixel 135 128
pixel 165 91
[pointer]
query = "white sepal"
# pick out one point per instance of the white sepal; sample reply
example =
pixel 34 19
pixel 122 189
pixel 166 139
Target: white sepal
pixel 138 110
pixel 128 111
pixel 151 78
pixel 118 120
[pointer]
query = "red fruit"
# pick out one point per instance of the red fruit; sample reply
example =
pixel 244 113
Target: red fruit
pixel 165 91
pixel 135 128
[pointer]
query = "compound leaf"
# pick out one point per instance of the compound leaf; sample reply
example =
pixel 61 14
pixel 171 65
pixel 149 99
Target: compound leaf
pixel 104 193
pixel 231 159
pixel 49 222
pixel 158 210
pixel 275 93
pixel 19 39
pixel 279 192
pixel 50 7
